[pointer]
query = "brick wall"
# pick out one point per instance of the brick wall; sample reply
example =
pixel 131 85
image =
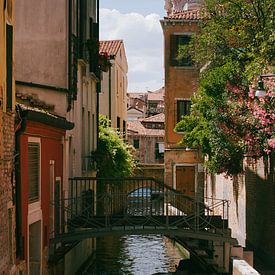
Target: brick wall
pixel 7 213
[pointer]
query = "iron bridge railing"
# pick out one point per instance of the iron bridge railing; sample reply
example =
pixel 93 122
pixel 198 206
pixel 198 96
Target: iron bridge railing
pixel 103 204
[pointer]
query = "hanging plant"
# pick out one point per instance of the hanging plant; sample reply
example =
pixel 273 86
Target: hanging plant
pixel 104 61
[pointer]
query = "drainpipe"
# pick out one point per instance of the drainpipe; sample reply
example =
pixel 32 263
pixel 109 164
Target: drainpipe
pixel 69 95
pixel 98 86
pixel 110 93
pixel 19 237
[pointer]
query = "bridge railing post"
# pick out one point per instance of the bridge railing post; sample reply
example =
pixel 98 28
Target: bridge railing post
pixel 167 210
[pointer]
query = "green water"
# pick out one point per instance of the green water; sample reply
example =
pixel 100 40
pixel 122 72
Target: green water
pixel 137 255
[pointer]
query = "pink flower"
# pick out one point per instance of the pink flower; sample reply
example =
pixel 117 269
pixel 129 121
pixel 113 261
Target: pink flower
pixel 271 142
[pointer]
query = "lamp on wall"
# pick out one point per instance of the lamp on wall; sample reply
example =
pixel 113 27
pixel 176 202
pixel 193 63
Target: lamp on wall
pixel 260 91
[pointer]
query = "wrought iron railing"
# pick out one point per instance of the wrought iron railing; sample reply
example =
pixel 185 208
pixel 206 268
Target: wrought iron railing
pixel 97 203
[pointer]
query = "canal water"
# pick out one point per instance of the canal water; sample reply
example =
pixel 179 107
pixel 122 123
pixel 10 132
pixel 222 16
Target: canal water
pixel 135 255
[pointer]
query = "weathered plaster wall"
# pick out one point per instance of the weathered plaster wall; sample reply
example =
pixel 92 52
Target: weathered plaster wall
pixel 151 170
pixel 41 35
pixel 119 86
pixel 260 213
pixel 233 190
pixel 252 206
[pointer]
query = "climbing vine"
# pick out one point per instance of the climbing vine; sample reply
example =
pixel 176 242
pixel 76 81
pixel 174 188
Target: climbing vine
pixel 113 156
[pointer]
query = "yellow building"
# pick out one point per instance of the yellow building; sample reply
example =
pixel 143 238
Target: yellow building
pixel 113 96
pixel 8 247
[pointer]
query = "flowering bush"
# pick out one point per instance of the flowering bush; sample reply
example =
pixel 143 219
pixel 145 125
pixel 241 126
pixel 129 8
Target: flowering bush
pixel 227 122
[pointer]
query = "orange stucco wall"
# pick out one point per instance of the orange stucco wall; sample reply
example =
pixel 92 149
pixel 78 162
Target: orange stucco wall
pixel 180 82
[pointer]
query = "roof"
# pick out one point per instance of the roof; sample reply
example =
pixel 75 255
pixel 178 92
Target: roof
pixel 156 95
pixel 110 46
pixel 186 15
pixel 137 128
pixel 43 116
pixel 134 108
pixel 33 101
pixel 156 118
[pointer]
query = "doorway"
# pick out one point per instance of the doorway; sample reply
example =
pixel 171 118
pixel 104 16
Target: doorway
pixel 186 180
pixel 35 248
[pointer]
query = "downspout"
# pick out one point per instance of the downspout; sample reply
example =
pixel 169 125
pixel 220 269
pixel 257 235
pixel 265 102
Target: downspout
pixel 70 58
pixel 110 93
pixel 19 237
pixel 98 85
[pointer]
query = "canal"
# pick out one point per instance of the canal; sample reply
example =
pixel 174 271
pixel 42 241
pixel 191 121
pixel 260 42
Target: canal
pixel 135 255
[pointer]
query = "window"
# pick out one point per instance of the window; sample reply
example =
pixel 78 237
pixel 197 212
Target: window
pixel 9 38
pixel 183 109
pixel 34 171
pixel 136 143
pixel 124 129
pixel 118 123
pixel 176 41
pixel 159 150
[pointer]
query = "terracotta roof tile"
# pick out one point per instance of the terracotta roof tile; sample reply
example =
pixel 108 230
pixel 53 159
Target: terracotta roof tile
pixel 155 118
pixel 137 128
pixel 185 15
pixel 156 95
pixel 110 46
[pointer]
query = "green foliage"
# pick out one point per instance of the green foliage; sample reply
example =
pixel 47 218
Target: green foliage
pixel 236 42
pixel 114 157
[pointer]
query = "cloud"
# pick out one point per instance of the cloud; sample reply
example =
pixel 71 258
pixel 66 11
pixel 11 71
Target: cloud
pixel 143 40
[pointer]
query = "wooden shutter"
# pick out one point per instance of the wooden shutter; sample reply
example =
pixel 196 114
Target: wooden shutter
pixel 9 69
pixel 33 170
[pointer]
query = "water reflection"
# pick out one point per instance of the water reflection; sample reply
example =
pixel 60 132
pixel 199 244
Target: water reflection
pixel 137 255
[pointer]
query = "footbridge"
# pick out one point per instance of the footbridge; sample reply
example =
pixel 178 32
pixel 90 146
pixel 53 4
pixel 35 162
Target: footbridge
pixel 123 206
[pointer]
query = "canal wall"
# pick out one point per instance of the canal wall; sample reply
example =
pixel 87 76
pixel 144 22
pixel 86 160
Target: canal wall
pixel 252 205
pixel 77 257
pixel 241 267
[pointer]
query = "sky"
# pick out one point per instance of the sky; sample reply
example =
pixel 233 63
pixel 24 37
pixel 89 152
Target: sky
pixel 137 24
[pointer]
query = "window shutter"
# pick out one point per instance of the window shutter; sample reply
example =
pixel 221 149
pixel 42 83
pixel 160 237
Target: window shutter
pixel 173 50
pixel 9 64
pixel 34 170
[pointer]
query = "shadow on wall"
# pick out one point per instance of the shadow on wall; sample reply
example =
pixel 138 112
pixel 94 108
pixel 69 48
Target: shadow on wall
pixel 260 213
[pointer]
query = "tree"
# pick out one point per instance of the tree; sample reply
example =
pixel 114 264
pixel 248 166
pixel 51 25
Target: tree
pixel 113 156
pixel 226 121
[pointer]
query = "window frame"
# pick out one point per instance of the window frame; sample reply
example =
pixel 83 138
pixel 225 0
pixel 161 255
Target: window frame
pixel 187 108
pixel 174 47
pixel 134 143
pixel 36 203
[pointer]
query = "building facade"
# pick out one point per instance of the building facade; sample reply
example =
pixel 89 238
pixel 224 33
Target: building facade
pixel 183 166
pixel 56 71
pixel 114 82
pixel 8 243
pixel 155 102
pixel 146 135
